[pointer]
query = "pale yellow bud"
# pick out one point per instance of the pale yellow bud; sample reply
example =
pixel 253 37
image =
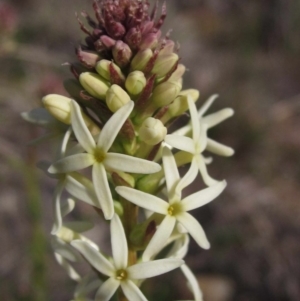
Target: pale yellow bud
pixel 165 93
pixel 102 68
pixel 141 59
pixel 192 92
pixel 116 98
pixel 67 235
pixel 180 104
pixel 152 131
pixel 60 108
pixel 135 82
pixel 164 63
pixel 94 84
pixel 178 73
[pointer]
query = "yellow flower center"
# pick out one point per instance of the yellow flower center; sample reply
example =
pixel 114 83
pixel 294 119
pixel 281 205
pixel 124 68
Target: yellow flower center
pixel 174 209
pixel 121 275
pixel 99 155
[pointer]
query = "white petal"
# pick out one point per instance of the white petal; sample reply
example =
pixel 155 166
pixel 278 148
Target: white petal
pixel 57 207
pixel 216 118
pixel 218 148
pixel 127 163
pixel 181 142
pixel 113 126
pixel 160 237
pixel 63 146
pixel 180 247
pixel 203 197
pixel 81 131
pixel 208 180
pixel 194 119
pixel 154 268
pixel 66 265
pixel 203 138
pixel 65 250
pixel 72 163
pixel 118 243
pixel 170 170
pixel 103 191
pixel 194 228
pixel 189 177
pixel 94 257
pixel 82 189
pixel 143 199
pixel 206 105
pixel 193 282
pixel 132 292
pixel 107 289
pixel 67 207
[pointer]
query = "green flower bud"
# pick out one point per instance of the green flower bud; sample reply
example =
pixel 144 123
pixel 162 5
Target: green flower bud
pixel 135 82
pixel 116 98
pixel 60 108
pixel 94 84
pixel 102 68
pixel 152 131
pixel 164 63
pixel 141 59
pixel 165 93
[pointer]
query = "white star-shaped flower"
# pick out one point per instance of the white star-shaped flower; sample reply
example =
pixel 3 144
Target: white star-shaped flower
pixel 98 156
pixel 211 120
pixel 195 146
pixel 175 210
pixel 118 271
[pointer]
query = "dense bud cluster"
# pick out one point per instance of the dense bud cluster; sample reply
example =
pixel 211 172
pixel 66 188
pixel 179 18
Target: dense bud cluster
pixel 126 93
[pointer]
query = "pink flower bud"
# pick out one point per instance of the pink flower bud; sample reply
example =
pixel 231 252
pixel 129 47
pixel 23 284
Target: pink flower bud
pixel 122 53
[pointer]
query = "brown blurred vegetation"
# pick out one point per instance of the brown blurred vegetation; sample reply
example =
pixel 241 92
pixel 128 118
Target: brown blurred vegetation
pixel 246 51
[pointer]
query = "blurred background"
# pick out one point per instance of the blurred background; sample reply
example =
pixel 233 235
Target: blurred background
pixel 246 51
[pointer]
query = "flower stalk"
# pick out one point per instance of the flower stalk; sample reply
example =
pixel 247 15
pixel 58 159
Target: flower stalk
pixel 118 154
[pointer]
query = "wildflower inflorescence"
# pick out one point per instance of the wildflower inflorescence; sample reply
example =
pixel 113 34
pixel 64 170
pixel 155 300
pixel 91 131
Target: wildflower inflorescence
pixel 126 92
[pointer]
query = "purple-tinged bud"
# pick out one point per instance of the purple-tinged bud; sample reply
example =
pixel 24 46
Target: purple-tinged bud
pixel 133 37
pixel 122 53
pixel 141 59
pixel 147 27
pixel 164 63
pixel 108 42
pixel 88 58
pixel 150 40
pixel 115 29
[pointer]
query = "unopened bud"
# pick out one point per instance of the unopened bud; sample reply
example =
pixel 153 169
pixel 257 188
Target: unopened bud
pixel 192 92
pixel 133 37
pixel 150 40
pixel 103 69
pixel 87 58
pixel 135 82
pixel 152 131
pixel 168 48
pixel 60 108
pixel 164 63
pixel 116 98
pixel 178 73
pixel 94 84
pixel 165 93
pixel 122 53
pixel 141 59
pixel 67 235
